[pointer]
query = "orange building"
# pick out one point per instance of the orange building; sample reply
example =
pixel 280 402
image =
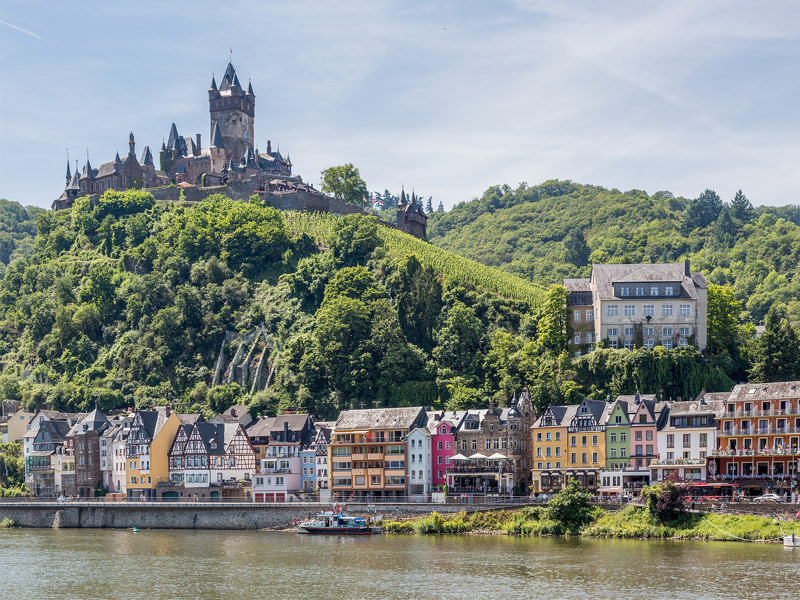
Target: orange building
pixel 759 438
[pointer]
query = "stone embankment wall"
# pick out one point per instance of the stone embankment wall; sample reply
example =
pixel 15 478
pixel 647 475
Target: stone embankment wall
pixel 192 516
pixel 777 510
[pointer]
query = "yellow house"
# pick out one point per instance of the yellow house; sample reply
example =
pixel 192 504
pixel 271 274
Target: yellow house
pixel 19 425
pixel 587 443
pixel 147 451
pixel 549 448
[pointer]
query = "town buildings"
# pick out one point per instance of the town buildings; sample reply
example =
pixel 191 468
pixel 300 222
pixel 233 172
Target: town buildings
pixel 209 460
pixel 759 438
pixel 279 476
pixel 146 451
pixel 83 441
pixel 419 465
pixel 688 438
pixel 638 305
pixel 18 424
pixel 443 426
pixel 369 453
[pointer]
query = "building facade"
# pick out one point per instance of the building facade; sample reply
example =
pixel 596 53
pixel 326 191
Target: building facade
pixel 759 438
pixel 147 451
pixel 639 305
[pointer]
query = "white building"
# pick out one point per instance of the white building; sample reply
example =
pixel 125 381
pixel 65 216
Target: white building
pixel 639 305
pixel 420 479
pixel 688 438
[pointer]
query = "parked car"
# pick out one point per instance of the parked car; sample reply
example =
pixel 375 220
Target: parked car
pixel 768 498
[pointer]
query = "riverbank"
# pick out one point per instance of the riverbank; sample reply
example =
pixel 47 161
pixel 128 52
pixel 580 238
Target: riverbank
pixel 632 522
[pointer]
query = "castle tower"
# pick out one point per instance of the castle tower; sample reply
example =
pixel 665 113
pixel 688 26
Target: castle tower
pixel 233 110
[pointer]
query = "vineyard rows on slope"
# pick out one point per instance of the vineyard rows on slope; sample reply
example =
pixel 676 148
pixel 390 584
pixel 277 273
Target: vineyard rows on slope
pixel 320 227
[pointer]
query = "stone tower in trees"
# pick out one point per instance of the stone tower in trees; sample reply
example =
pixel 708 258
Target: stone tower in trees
pixel 233 110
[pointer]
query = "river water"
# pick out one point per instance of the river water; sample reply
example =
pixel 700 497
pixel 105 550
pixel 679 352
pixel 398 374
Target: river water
pixel 84 563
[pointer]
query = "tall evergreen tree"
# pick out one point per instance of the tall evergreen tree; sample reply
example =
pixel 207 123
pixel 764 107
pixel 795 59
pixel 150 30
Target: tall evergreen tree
pixel 429 205
pixel 725 228
pixel 575 249
pixel 777 351
pixel 441 207
pixel 701 212
pixel 741 209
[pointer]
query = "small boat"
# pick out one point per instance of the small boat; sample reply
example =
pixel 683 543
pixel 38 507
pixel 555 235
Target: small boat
pixel 791 541
pixel 336 523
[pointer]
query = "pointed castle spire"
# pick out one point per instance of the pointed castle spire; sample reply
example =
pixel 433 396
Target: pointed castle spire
pixel 216 137
pixel 213 83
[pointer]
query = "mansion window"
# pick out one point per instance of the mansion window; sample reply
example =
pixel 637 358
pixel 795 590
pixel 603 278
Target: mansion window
pixel 666 310
pixel 685 310
pixel 627 331
pixel 669 290
pixel 648 331
pixel 640 290
pixel 654 290
pixel 612 310
pixel 667 344
pixel 589 315
pixel 665 331
pixel 648 344
pixel 558 436
pixel 682 342
pixel 612 332
pixel 577 338
pixel 576 316
pixel 684 331
pixel 629 310
pixel 613 343
pixel 648 310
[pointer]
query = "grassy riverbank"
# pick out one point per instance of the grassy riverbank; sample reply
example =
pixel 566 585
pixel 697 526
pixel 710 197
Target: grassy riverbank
pixel 631 522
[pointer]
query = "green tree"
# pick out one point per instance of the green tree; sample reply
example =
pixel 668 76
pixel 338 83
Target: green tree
pixel 429 205
pixel 725 228
pixel 355 238
pixel 571 507
pixel 459 341
pixel 418 293
pixel 741 208
pixel 553 328
pixel 440 208
pixel 575 249
pixel 777 355
pixel 701 212
pixel 345 183
pixel 724 312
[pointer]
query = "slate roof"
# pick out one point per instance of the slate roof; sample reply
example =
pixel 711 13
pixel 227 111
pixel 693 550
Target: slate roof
pixel 216 138
pixel 604 276
pixel 765 391
pixel 190 419
pixel 578 285
pixel 147 157
pixel 563 415
pixel 380 418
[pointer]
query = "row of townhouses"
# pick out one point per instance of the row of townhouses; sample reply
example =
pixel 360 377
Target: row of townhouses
pixel 748 439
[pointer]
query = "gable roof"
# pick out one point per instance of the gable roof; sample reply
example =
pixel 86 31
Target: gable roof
pixel 765 391
pixel 604 276
pixel 380 418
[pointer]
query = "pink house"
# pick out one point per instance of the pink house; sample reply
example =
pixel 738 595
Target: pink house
pixel 643 415
pixel 443 427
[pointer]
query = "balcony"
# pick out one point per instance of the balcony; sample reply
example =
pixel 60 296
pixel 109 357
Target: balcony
pixel 753 431
pixel 359 471
pixel 678 462
pixel 775 412
pixel 794 451
pixel 359 456
pixel 372 456
pixel 374 471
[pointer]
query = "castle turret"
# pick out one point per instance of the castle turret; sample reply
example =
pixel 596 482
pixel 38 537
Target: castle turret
pixel 69 175
pixel 233 110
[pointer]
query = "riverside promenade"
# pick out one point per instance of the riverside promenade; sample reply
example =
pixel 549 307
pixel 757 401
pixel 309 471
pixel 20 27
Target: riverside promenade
pixel 204 515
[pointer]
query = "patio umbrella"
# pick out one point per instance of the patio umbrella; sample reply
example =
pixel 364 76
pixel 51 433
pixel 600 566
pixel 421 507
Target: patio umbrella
pixel 476 456
pixel 458 457
pixel 498 456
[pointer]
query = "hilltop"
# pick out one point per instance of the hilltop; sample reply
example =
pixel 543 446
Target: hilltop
pixel 130 302
pixel 557 229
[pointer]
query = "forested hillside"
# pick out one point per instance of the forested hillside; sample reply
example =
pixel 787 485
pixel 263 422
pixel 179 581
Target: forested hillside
pixel 126 303
pixel 17 228
pixel 556 229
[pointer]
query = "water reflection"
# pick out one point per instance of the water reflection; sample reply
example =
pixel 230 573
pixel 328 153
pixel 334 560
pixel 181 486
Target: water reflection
pixel 231 564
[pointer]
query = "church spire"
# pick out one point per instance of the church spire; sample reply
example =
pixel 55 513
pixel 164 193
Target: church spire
pixel 213 83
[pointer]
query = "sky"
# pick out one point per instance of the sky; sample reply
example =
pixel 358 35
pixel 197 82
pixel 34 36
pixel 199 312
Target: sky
pixel 443 97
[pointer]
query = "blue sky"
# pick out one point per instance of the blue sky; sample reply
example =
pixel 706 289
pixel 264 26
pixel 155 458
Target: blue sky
pixel 448 97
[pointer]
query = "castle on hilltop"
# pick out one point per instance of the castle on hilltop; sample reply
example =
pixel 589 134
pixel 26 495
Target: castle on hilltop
pixel 231 164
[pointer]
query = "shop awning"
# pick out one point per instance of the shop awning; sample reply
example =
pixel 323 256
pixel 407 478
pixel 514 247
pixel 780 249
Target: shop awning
pixel 458 457
pixel 498 456
pixel 476 456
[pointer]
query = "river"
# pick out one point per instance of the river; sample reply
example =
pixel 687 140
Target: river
pixel 85 563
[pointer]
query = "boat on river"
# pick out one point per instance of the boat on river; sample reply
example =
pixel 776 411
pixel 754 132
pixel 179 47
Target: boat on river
pixel 791 541
pixel 335 522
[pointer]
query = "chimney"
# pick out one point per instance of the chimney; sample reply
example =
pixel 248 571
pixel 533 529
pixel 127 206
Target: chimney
pixel 686 270
pixel 636 398
pixel 608 397
pixel 168 409
pixel 197 135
